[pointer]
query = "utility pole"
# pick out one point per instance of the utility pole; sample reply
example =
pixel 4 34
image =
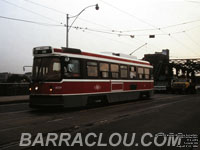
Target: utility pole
pixel 67 29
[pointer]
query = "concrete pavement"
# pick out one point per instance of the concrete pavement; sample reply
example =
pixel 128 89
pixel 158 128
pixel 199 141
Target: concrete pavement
pixel 13 99
pixel 164 113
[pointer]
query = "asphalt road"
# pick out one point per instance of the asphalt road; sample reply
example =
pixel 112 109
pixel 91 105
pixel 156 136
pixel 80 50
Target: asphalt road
pixel 163 113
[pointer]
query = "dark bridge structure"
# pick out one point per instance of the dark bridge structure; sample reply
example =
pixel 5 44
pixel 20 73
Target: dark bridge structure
pixel 190 67
pixel 166 70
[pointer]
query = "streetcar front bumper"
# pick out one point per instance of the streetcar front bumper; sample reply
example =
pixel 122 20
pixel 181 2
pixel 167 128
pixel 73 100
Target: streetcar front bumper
pixel 36 101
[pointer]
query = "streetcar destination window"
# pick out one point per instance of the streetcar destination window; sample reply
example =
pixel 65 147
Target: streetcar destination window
pixel 46 69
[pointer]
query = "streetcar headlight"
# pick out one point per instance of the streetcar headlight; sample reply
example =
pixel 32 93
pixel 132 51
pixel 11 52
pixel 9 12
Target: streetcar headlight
pixel 50 89
pixel 36 88
pixel 30 89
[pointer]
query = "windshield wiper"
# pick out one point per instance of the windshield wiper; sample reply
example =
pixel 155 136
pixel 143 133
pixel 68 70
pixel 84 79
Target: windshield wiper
pixel 39 67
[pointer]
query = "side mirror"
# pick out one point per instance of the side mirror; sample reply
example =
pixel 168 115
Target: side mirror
pixel 66 59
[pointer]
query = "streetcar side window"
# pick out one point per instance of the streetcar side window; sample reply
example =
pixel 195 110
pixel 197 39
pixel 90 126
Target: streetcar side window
pixel 123 71
pixel 140 72
pixel 147 73
pixel 114 68
pixel 72 69
pixel 133 73
pixel 104 70
pixel 92 69
pixel 151 74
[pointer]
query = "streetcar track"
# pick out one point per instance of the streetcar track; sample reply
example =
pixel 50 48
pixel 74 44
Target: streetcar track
pixel 114 119
pixel 29 110
pixel 113 107
pixel 102 121
pixel 118 117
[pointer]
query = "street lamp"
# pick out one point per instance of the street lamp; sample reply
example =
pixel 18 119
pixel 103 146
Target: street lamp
pixel 76 16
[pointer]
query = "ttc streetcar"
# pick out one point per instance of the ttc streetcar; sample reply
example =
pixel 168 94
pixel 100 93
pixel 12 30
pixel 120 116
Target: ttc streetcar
pixel 72 78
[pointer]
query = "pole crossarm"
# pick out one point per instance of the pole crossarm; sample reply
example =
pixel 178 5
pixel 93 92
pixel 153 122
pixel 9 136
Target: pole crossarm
pixel 76 16
pixel 96 6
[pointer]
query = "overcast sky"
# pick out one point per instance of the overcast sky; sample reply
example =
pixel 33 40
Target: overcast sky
pixel 175 24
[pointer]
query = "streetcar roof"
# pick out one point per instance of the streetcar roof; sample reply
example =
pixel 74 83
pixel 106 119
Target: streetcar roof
pixel 77 53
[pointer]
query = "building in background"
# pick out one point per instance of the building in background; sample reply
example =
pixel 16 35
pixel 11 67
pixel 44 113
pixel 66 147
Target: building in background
pixel 162 69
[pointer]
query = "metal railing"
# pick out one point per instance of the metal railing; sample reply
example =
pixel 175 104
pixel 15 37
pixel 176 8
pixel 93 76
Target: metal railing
pixel 12 89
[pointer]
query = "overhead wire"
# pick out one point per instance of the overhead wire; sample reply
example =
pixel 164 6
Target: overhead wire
pixel 185 46
pixel 29 21
pixel 135 38
pixel 123 34
pixel 111 39
pixel 33 12
pixel 84 28
pixel 190 38
pixel 193 28
pixel 143 21
pixel 38 4
pixel 91 22
pixel 161 28
pixel 107 32
pixel 131 15
pixel 123 42
pixel 61 12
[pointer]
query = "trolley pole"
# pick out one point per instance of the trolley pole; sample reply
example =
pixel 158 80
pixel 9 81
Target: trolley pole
pixel 138 49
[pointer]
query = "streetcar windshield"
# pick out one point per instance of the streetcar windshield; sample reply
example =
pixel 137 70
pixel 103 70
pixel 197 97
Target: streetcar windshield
pixel 46 69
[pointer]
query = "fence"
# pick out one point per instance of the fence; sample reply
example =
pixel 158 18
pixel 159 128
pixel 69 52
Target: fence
pixel 11 89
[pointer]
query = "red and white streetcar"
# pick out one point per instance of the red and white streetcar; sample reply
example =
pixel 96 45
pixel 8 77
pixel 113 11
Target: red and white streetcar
pixel 72 78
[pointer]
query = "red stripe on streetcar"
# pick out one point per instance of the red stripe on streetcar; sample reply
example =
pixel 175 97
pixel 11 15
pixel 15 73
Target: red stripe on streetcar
pixel 113 58
pixel 117 86
pixel 58 50
pixel 103 56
